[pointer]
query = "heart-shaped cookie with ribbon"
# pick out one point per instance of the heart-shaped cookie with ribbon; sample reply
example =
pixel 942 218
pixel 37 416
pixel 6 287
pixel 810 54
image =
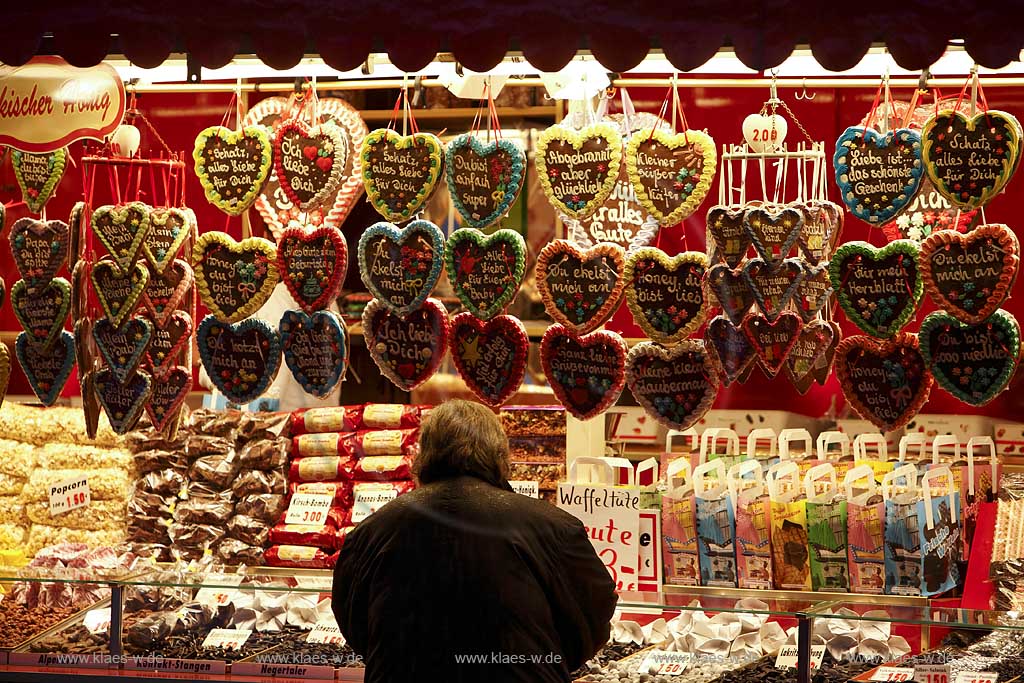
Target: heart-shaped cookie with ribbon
pixel 489 355
pixel 485 270
pixel 234 278
pixel 813 342
pixel 168 230
pixel 772 339
pixel 773 285
pixel 124 348
pixel 400 266
pixel 580 288
pixel 232 165
pixel 122 230
pixel 39 248
pixel 578 169
pixel 312 265
pixel 586 372
pixel 241 359
pixel 400 172
pixel 407 350
pixel 47 370
pixel 813 292
pixel 671 173
pixel 675 386
pixel 773 231
pixel 970 275
pixel 973 362
pixel 315 349
pixel 666 294
pixel 885 382
pixel 5 371
pixel 119 293
pixel 168 396
pixel 309 161
pixel 823 224
pixel 38 175
pixel 730 236
pixel 822 368
pixel 729 349
pixel 168 342
pixel 970 159
pixel 730 288
pixel 879 288
pixel 76 233
pixel 123 402
pixel 484 179
pixel 42 314
pixel 878 174
pixel 165 293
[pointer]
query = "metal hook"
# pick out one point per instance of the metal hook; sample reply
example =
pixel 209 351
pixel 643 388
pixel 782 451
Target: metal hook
pixel 774 96
pixel 802 95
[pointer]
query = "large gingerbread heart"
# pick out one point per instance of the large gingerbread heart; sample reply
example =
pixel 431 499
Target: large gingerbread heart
pixel 168 342
pixel 972 362
pixel 168 230
pixel 879 288
pixel 823 224
pixel 400 266
pixel 813 342
pixel 234 278
pixel 485 270
pixel 312 265
pixel 675 386
pixel 315 349
pixel 484 179
pixel 773 285
pixel 123 402
pixel 970 159
pixel 586 372
pixel 731 289
pixel 241 359
pixel 970 275
pixel 38 175
pixel 773 231
pixel 580 288
pixel 728 233
pixel 165 293
pixel 122 229
pixel 39 248
pixel 42 314
pixel 813 292
pixel 578 169
pixel 400 172
pixel 885 382
pixel 168 396
pixel 407 350
pixel 666 294
pixel 671 173
pixel 232 165
pixel 119 293
pixel 47 370
pixel 309 161
pixel 729 349
pixel 772 339
pixel 878 174
pixel 124 348
pixel 489 355
pixel 5 371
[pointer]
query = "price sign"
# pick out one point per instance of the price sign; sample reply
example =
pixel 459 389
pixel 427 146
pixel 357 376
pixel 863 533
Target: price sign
pixel 69 494
pixel 892 673
pixel 525 488
pixel 931 673
pixel 97 620
pixel 326 632
pixel 369 501
pixel 309 508
pixel 976 677
pixel 789 656
pixel 218 594
pixel 320 583
pixel 227 638
pixel 666 663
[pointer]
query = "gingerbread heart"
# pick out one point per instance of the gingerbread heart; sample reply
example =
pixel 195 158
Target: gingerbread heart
pixel 168 396
pixel 772 339
pixel 813 292
pixel 241 359
pixel 485 270
pixel 122 229
pixel 165 293
pixel 312 265
pixel 973 362
pixel 671 173
pixel 731 289
pixel 490 356
pixel 729 349
pixel 580 288
pixel 970 275
pixel 234 278
pixel 822 368
pixel 675 386
pixel 484 179
pixel 123 402
pixel 5 371
pixel 773 285
pixel 400 266
pixel 666 294
pixel 168 342
pixel 970 159
pixel 90 404
pixel 309 161
pixel 885 382
pixel 586 372
pixel 407 350
pixel 47 370
pixel 773 231
pixel 400 172
pixel 38 175
pixel 39 248
pixel 76 232
pixel 119 293
pixel 813 342
pixel 823 224
pixel 578 169
pixel 124 348
pixel 42 314
pixel 168 230
pixel 879 288
pixel 232 165
pixel 878 174
pixel 315 349
pixel 731 239
pixel 86 352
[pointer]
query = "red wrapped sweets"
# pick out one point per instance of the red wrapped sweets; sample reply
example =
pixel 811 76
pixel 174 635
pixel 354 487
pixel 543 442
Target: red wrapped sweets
pixel 383 468
pixel 301 557
pixel 325 536
pixel 341 490
pixel 356 444
pixel 321 468
pixel 356 418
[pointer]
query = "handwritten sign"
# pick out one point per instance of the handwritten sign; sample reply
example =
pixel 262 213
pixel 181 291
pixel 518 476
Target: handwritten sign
pixel 326 632
pixel 612 518
pixel 227 638
pixel 892 673
pixel 976 677
pixel 525 488
pixel 788 657
pixel 664 663
pixel 218 594
pixel 308 508
pixel 931 673
pixel 369 501
pixel 69 494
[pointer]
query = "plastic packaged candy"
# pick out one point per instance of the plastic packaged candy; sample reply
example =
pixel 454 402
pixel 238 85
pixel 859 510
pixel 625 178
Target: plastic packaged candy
pixel 356 418
pixel 300 557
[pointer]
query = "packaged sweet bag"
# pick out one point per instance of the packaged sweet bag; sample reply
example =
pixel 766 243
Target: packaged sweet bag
pixel 690 449
pixel 757 439
pixel 979 485
pixel 753 524
pixel 709 441
pixel 841 458
pixel 679 525
pixel 716 526
pixel 918 441
pixel 902 531
pixel 798 446
pixel 826 529
pixel 865 523
pixel 939 528
pixel 871 449
pixel 790 561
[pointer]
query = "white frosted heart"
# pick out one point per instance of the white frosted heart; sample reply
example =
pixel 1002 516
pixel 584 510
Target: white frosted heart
pixel 764 133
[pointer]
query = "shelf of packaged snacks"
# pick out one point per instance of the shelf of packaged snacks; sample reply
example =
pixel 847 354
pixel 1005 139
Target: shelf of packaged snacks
pixel 815 597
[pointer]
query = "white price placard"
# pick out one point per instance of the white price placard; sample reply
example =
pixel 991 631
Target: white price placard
pixel 666 663
pixel 789 656
pixel 931 673
pixel 227 638
pixel 221 590
pixel 326 632
pixel 319 583
pixel 97 620
pixel 976 677
pixel 69 494
pixel 892 673
pixel 309 508
pixel 368 502
pixel 526 488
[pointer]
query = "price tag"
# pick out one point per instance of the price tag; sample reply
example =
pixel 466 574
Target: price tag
pixel 309 508
pixel 97 620
pixel 326 632
pixel 668 663
pixel 69 494
pixel 525 488
pixel 789 656
pixel 227 638
pixel 368 502
pixel 892 673
pixel 931 673
pixel 976 677
pixel 320 583
pixel 218 594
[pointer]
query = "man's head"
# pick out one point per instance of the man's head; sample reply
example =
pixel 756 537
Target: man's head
pixel 461 438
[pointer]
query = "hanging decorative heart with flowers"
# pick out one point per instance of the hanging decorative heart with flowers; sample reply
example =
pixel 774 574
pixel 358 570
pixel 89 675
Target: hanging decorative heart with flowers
pixel 400 266
pixel 122 229
pixel 578 169
pixel 484 179
pixel 124 348
pixel 675 386
pixel 42 314
pixel 241 359
pixel 119 293
pixel 671 173
pixel 407 350
pixel 878 174
pixel 168 343
pixel 580 288
pixel 878 288
pixel 729 350
pixel 40 249
pixel 312 265
pixel 309 161
pixel 38 175
pixel 489 355
pixel 234 278
pixel 315 349
pixel 123 402
pixel 232 165
pixel 168 396
pixel 165 293
pixel 168 230
pixel 47 370
pixel 485 270
pixel 813 342
pixel 586 372
pixel 731 289
pixel 731 238
pixel 400 172
pixel 772 339
pixel 666 294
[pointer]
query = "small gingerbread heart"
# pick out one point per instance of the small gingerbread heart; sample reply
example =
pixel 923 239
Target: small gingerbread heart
pixel 123 402
pixel 578 169
pixel 813 292
pixel 773 285
pixel 232 165
pixel 312 265
pixel 400 172
pixel 47 370
pixel 122 229
pixel 813 342
pixel 675 386
pixel 772 339
pixel 407 350
pixel 39 248
pixel 485 270
pixel 309 161
pixel 168 230
pixel 730 287
pixel 400 266
pixel 666 294
pixel 241 359
pixel 586 372
pixel 119 292
pixel 822 368
pixel 879 288
pixel 38 175
pixel 580 288
pixel 315 349
pixel 168 396
pixel 484 179
pixel 731 238
pixel 165 293
pixel 123 348
pixel 168 342
pixel 42 314
pixel 490 356
pixel 729 349
pixel 671 173
pixel 234 278
pixel 823 223
pixel 773 231
pixel 5 371
pixel 878 174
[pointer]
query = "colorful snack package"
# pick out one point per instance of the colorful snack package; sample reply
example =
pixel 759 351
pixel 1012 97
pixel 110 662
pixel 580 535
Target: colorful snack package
pixel 826 529
pixel 865 521
pixel 383 468
pixel 320 468
pixel 979 484
pixel 716 526
pixel 319 536
pixel 356 418
pixel 357 444
pixel 341 490
pixel 301 557
pixel 679 525
pixel 939 515
pixel 902 537
pixel 790 563
pixel 753 524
